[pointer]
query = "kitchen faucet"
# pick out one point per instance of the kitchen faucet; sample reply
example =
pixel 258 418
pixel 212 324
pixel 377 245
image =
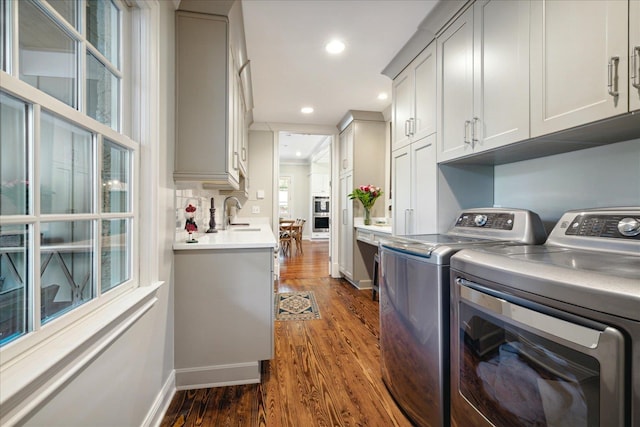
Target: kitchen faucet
pixel 226 220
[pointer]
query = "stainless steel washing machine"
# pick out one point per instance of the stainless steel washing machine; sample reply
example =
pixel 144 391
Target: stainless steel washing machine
pixel 549 335
pixel 414 305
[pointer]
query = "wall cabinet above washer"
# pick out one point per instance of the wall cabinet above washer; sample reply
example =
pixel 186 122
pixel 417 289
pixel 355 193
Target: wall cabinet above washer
pixel 579 63
pixel 634 55
pixel 483 74
pixel 414 100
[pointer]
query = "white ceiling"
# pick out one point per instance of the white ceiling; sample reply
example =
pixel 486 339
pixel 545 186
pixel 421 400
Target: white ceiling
pixel 290 68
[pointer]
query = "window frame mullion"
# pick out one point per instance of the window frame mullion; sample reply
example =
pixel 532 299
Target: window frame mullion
pixel 35 282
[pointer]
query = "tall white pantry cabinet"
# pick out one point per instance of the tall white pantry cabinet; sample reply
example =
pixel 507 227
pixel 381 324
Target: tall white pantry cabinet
pixel 362 156
pixel 414 165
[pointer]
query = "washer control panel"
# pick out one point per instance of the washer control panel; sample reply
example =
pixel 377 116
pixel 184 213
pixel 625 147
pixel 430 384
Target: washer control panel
pixel 497 221
pixel 608 226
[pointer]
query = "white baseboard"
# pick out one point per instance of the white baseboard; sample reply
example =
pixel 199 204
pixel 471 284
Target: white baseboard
pixel 161 404
pixel 218 376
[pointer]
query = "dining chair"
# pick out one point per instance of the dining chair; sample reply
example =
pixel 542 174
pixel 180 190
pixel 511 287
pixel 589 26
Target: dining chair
pixel 297 234
pixel 286 237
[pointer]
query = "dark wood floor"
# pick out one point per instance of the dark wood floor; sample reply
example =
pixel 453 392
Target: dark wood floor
pixel 325 372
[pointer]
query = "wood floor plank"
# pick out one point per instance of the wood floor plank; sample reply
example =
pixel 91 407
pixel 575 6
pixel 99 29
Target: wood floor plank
pixel 326 372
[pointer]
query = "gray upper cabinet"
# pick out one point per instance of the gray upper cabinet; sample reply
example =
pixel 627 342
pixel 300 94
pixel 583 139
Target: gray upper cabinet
pixel 483 70
pixel 579 63
pixel 634 55
pixel 414 100
pixel 207 132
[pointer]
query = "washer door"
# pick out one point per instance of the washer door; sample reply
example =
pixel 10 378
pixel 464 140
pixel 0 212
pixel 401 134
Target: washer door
pixel 518 363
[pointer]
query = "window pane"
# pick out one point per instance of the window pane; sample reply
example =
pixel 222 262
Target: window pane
pixel 47 54
pixel 102 93
pixel 66 8
pixel 14 183
pixel 66 167
pixel 116 184
pixel 115 253
pixel 66 266
pixel 103 28
pixel 14 257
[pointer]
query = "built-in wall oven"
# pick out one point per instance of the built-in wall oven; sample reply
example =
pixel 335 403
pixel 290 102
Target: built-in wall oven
pixel 549 335
pixel 321 211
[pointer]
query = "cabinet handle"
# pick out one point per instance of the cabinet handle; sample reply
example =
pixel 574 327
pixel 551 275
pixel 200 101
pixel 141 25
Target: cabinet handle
pixel 406 222
pixel 344 217
pixel 474 135
pixel 344 163
pixel 635 79
pixel 235 160
pixel 244 154
pixel 613 80
pixel 412 126
pixel 406 127
pixel 466 131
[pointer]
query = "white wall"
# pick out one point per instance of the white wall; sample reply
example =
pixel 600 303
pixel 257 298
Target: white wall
pixel 301 202
pixel 260 167
pixel 596 177
pixel 130 381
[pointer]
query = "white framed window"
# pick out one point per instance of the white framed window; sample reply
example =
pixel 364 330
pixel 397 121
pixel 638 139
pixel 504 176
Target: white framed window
pixel 68 186
pixel 285 189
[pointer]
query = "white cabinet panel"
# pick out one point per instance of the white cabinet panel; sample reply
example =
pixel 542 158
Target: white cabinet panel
pixel 414 100
pixel 210 121
pixel 501 73
pixel 573 67
pixel 345 259
pixel 401 166
pixel 484 70
pixel 415 188
pixel 455 97
pixel 634 53
pixel 403 94
pixel 424 186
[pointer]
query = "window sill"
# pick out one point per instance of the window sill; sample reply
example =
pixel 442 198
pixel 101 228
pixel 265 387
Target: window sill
pixel 27 380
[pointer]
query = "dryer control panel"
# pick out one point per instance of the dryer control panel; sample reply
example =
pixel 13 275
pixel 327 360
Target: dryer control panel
pixel 607 226
pixel 498 221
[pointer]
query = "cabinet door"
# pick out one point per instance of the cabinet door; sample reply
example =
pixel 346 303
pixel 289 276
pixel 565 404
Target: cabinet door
pixel 634 46
pixel 572 69
pixel 345 258
pixel 403 94
pixel 501 73
pixel 232 125
pixel 424 188
pixel 423 122
pixel 401 193
pixel 455 98
pixel 346 149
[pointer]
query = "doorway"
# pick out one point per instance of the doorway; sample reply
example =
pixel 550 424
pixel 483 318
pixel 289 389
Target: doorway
pixel 304 183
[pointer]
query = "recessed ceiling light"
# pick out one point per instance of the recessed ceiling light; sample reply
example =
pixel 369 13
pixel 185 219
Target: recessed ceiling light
pixel 306 110
pixel 298 153
pixel 334 47
pixel 383 96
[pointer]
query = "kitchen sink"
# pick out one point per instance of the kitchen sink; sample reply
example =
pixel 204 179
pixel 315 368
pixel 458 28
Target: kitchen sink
pixel 244 229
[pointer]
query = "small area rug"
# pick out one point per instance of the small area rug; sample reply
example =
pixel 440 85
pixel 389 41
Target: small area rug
pixel 297 306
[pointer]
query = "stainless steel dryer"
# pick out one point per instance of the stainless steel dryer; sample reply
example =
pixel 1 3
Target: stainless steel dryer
pixel 550 335
pixel 414 305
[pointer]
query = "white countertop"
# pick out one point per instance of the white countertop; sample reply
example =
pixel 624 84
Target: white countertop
pixel 375 227
pixel 236 237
